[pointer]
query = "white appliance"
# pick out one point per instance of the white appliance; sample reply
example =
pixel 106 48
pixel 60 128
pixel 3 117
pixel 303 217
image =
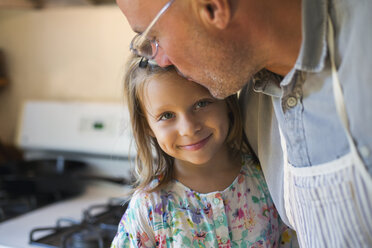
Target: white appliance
pixel 95 133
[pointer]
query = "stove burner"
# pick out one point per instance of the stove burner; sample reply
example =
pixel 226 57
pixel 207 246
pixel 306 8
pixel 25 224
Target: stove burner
pixel 90 237
pixel 28 185
pixel 97 229
pixel 15 205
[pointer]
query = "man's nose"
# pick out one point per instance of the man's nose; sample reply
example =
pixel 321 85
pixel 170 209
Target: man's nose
pixel 162 59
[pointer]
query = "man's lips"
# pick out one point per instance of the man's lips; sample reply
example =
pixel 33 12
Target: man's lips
pixel 196 146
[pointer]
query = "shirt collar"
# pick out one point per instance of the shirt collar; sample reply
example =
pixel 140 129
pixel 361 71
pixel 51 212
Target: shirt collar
pixel 267 82
pixel 314 44
pixel 313 49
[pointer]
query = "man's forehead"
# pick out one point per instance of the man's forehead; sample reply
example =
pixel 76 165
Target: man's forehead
pixel 139 13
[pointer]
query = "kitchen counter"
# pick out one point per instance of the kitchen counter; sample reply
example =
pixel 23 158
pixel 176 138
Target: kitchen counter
pixel 15 232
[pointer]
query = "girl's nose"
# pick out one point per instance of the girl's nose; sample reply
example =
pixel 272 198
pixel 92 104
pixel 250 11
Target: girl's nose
pixel 189 125
pixel 162 59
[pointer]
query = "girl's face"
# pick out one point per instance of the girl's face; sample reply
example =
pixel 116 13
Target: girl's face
pixel 188 123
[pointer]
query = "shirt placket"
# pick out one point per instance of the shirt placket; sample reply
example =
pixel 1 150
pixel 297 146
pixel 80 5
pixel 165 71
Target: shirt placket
pixel 289 109
pixel 293 123
pixel 220 220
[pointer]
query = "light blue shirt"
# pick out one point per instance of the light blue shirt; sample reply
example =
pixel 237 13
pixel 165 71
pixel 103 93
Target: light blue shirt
pixel 304 105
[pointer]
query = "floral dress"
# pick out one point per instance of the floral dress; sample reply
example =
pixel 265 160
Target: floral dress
pixel 242 215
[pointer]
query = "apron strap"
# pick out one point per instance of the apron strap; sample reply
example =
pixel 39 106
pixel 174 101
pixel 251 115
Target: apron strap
pixel 338 95
pixel 287 181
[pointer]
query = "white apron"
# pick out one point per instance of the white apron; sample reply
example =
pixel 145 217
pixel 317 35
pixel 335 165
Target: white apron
pixel 330 205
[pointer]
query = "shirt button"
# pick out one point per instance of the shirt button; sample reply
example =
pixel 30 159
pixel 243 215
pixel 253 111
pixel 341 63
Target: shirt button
pixel 224 240
pixel 216 201
pixel 364 151
pixel 291 101
pixel 220 219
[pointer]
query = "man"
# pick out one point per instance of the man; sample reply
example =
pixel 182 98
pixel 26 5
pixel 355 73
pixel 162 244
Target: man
pixel 306 72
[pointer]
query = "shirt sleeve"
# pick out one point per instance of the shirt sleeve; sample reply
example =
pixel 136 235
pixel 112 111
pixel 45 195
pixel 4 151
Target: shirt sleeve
pixel 135 229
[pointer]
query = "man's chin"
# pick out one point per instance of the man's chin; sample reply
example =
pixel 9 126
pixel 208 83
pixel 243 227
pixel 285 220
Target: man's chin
pixel 218 94
pixel 222 93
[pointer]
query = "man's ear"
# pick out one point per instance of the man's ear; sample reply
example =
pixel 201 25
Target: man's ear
pixel 215 13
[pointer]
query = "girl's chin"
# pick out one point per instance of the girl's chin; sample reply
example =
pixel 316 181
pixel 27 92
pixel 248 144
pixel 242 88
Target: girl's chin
pixel 200 162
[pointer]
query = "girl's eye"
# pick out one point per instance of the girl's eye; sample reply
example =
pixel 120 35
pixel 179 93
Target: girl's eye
pixel 166 116
pixel 202 104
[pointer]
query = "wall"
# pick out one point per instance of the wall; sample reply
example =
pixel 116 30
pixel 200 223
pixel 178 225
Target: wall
pixel 70 53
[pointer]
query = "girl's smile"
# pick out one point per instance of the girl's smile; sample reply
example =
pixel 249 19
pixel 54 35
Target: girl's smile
pixel 196 146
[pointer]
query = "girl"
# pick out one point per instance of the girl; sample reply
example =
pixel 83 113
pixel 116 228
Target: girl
pixel 199 190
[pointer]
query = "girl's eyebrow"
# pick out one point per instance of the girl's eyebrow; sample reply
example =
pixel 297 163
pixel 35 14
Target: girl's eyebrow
pixel 158 112
pixel 149 114
pixel 168 108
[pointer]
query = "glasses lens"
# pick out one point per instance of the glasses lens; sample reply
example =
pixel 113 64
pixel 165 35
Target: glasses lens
pixel 146 49
pixel 143 47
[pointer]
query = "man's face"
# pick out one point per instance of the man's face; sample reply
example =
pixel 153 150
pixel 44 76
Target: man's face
pixel 199 54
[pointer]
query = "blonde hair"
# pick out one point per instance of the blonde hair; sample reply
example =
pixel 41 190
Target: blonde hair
pixel 147 166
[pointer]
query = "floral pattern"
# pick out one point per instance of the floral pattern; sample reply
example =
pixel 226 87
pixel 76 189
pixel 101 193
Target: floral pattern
pixel 243 215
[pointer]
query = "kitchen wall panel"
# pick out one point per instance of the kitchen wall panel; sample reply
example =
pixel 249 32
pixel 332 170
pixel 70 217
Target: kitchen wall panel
pixel 69 54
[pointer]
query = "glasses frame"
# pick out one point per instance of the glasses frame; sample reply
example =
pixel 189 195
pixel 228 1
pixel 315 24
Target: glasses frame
pixel 140 38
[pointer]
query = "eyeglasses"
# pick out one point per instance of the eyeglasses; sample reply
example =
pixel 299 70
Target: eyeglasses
pixel 141 45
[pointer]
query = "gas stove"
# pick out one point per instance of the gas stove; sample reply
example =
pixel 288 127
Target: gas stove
pixel 74 204
pixel 96 230
pixel 74 217
pixel 13 206
pixel 28 185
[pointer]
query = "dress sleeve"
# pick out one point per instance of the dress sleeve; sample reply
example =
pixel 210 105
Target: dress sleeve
pixel 288 237
pixel 135 226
